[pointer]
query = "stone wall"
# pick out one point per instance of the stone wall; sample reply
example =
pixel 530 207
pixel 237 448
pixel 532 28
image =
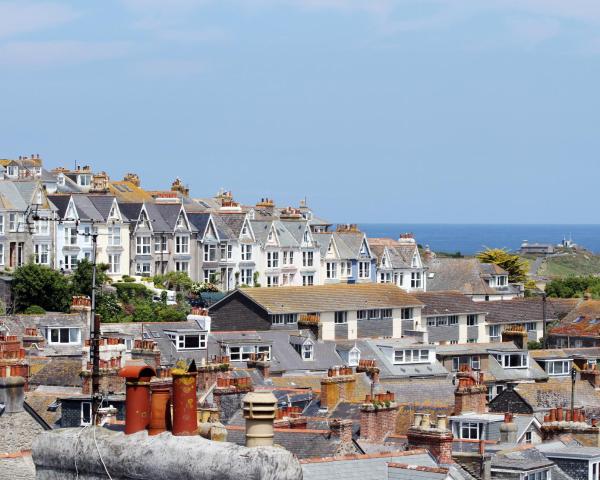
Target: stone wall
pixel 574 468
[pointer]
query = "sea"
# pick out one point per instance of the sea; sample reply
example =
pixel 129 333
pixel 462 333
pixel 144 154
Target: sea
pixel 468 239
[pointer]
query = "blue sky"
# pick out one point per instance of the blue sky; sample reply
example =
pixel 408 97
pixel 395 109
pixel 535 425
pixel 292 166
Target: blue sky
pixel 456 111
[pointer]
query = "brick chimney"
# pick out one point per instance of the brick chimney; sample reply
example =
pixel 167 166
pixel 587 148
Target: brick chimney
pixel 378 417
pixel 470 395
pixel 516 334
pixel 342 428
pixel 434 437
pixel 558 422
pixel 508 430
pixel 338 385
pixel 592 375
pixel 260 363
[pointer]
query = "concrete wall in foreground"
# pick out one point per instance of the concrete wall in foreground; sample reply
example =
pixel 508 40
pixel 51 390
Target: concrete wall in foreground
pixel 160 457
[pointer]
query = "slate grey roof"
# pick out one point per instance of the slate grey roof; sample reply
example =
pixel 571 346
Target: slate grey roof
pixel 465 275
pixel 449 303
pixel 169 213
pixel 159 224
pixel 10 196
pixel 373 349
pixel 556 392
pixel 200 221
pixel 474 348
pixel 533 372
pixel 284 358
pixel 86 209
pixel 130 210
pixel 26 189
pixel 363 467
pixel 303 444
pixel 295 228
pixel 440 391
pixel 234 221
pixel 571 452
pixel 61 202
pixel 103 203
pixel 60 372
pixel 520 460
pixel 519 310
pixel 401 254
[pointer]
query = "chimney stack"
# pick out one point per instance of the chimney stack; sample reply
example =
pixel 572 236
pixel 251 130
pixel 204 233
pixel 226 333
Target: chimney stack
pixel 508 430
pixel 436 438
pixel 137 396
pixel 342 428
pixel 185 400
pixel 378 417
pixel 12 394
pixel 516 334
pixel 338 385
pixel 259 412
pixel 470 395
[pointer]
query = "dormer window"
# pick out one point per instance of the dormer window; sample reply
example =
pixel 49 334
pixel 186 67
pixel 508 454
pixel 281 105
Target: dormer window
pixel 405 356
pixel 60 179
pixel 244 230
pixel 181 222
pixel 306 237
pixel 270 236
pixel 84 180
pixel 512 360
pixel 187 340
pixel 501 281
pixel 304 348
pixel 12 171
pixel 415 262
pixel 353 357
pixel 558 367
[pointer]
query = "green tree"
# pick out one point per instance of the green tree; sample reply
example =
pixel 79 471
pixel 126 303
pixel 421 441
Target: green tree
pixel 41 285
pixel 107 306
pixel 81 278
pixel 178 281
pixel 572 287
pixel 516 267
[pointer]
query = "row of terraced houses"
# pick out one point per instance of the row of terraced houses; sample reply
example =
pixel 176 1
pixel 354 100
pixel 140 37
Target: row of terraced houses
pixel 49 217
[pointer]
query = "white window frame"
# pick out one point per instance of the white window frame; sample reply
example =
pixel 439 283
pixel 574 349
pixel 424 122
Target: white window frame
pixel 182 244
pixel 308 280
pixel 472 320
pixel 142 268
pixel 246 252
pixel 114 235
pixel 1 254
pixel 308 259
pixel 551 367
pixel 42 227
pixel 242 353
pixel 272 259
pixel 411 356
pixel 272 281
pixel 210 252
pixel 416 280
pixel 364 270
pixel 142 245
pixel 42 253
pixel 246 276
pixel 179 339
pixel 76 334
pixel 407 313
pixel 331 270
pixel 114 263
pixel 472 429
pixel 182 266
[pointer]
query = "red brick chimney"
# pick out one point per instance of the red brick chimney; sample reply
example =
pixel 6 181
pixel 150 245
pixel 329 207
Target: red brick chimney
pixel 592 375
pixel 378 417
pixel 470 395
pixel 341 428
pixel 338 385
pixel 434 437
pixel 260 363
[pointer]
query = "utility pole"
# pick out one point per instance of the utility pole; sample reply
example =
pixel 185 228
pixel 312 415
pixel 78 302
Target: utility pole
pixel 95 337
pixel 544 320
pixel 573 378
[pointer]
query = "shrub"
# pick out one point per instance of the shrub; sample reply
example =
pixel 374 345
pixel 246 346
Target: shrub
pixel 127 292
pixel 34 310
pixel 127 278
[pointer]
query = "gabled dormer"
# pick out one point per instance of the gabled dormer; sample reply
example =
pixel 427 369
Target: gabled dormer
pixel 143 222
pixel 386 261
pixel 246 232
pixel 416 260
pixel 272 236
pixel 114 216
pixel 365 250
pixel 71 213
pixel 307 238
pixel 182 223
pixel 210 234
pixel 304 346
pixel 332 250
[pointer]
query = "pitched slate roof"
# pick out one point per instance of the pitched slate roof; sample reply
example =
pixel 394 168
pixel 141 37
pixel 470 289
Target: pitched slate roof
pixel 533 372
pixel 61 202
pixel 520 459
pixel 449 303
pixel 582 321
pixel 362 467
pixel 103 203
pixel 519 310
pixel 199 221
pixel 328 298
pixel 400 253
pixel 130 210
pixel 556 392
pixel 10 196
pixel 61 372
pixel 235 222
pixel 159 224
pixel 460 274
pixel 302 443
